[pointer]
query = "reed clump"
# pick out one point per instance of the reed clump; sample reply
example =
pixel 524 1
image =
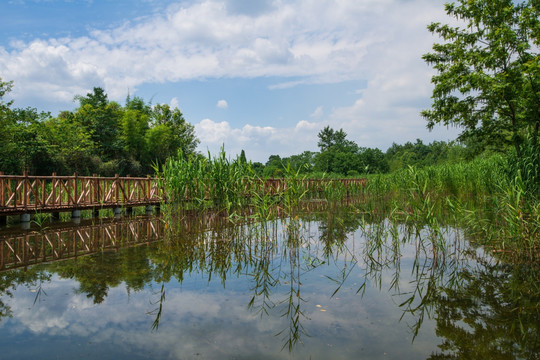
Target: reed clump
pixel 207 182
pixel 488 197
pixel 231 186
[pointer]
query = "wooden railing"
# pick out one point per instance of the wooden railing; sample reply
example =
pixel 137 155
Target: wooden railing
pixel 26 194
pixel 20 194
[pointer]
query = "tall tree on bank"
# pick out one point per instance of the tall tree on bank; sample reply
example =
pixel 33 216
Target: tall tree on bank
pixel 488 79
pixel 100 137
pixel 341 156
pixel 102 120
pixel 169 134
pixel 8 148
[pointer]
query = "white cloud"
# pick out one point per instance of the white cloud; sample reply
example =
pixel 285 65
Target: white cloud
pixel 318 112
pixel 222 104
pixel 258 141
pixel 298 42
pixel 317 40
pixel 174 103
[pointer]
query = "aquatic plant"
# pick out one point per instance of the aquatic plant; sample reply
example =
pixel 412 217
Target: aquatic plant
pixel 495 209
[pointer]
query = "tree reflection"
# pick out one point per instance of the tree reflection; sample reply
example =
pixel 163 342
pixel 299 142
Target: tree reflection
pixel 97 273
pixel 11 279
pixel 493 314
pixel 483 309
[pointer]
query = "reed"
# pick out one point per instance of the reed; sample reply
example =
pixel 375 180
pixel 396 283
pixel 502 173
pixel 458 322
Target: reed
pixel 226 185
pixel 202 183
pixel 488 197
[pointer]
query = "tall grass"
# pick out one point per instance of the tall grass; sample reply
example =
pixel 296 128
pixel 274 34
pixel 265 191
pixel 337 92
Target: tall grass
pixel 222 184
pixel 212 182
pixel 526 167
pixel 488 197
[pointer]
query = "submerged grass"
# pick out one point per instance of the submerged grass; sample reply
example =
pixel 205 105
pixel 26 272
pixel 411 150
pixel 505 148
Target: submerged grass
pixel 495 206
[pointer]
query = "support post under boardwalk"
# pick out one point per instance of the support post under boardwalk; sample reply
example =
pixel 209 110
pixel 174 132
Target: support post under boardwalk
pixel 3 220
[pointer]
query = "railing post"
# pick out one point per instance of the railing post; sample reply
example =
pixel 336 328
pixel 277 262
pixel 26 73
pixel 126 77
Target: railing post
pixel 117 188
pixel 127 184
pixel 148 185
pixel 95 190
pixel 53 189
pixel 43 193
pixel 25 190
pixel 2 190
pixel 76 197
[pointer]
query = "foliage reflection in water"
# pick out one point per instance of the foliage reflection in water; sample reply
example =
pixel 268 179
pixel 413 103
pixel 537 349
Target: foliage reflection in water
pixel 329 284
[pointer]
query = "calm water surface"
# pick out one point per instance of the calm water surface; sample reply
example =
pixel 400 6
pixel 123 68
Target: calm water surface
pixel 327 286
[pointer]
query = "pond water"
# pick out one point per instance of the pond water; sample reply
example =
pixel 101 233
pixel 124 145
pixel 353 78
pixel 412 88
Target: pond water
pixel 329 285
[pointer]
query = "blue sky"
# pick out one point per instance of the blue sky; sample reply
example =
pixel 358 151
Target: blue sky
pixel 264 76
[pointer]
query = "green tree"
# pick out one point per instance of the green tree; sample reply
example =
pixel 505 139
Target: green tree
pixel 273 167
pixel 34 153
pixel 8 146
pixel 138 104
pixel 182 133
pixel 102 120
pixel 5 87
pixel 488 79
pixel 159 140
pixel 373 161
pixel 328 138
pixel 243 159
pixel 338 155
pixel 304 162
pixel 74 150
pixel 133 131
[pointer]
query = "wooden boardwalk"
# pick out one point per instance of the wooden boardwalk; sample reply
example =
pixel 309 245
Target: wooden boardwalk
pixel 25 195
pixel 22 194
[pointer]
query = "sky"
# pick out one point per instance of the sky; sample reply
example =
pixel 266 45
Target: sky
pixel 264 76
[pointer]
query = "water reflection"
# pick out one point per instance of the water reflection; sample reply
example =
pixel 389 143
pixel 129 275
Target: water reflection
pixel 64 241
pixel 325 284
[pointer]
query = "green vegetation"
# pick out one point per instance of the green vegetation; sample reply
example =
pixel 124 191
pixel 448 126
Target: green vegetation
pixel 492 204
pixel 494 199
pixel 488 79
pixel 487 182
pixel 100 136
pixel 207 182
pixel 222 184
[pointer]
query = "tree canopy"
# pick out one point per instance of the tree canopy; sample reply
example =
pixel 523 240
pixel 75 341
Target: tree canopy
pixel 488 71
pixel 100 136
pixel 103 137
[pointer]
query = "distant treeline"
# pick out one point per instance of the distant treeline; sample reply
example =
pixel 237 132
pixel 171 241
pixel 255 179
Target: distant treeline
pixel 100 137
pixel 342 157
